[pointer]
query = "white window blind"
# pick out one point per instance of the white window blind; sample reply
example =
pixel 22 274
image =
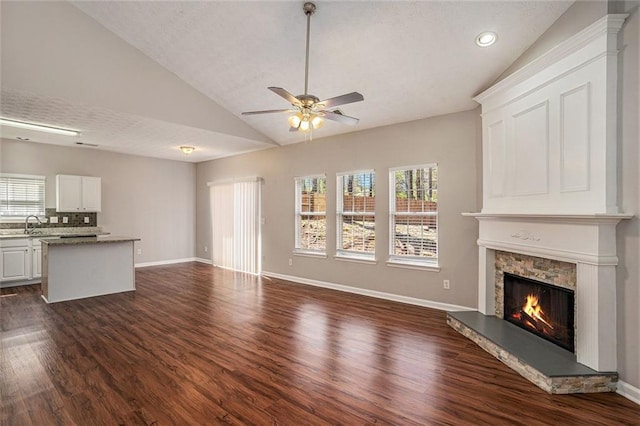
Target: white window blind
pixel 311 215
pixel 235 225
pixel 413 215
pixel 21 195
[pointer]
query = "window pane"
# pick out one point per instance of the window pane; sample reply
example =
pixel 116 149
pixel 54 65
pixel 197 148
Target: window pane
pixel 313 232
pixel 415 236
pixel 21 195
pixel 358 233
pixel 310 213
pixel 358 193
pixel 414 224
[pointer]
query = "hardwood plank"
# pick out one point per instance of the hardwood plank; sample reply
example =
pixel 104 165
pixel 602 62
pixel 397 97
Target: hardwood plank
pixel 200 345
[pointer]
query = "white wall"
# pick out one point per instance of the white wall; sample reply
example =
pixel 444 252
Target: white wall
pixel 452 141
pixel 142 197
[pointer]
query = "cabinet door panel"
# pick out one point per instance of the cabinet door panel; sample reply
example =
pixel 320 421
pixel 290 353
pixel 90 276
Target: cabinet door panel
pixel 68 193
pixel 91 194
pixel 37 262
pixel 15 263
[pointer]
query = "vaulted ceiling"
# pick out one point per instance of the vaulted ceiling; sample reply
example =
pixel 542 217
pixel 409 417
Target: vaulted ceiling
pixel 146 77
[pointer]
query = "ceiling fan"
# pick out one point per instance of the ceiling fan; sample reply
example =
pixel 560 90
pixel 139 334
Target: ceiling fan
pixel 309 111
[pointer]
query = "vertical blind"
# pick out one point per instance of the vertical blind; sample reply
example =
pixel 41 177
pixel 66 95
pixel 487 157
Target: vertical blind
pixel 235 225
pixel 21 195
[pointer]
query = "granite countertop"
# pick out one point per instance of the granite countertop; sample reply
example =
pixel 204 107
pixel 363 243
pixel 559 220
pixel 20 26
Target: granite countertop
pixel 87 240
pixel 8 234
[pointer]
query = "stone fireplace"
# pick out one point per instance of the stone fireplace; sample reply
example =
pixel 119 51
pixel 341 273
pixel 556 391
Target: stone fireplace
pixel 549 215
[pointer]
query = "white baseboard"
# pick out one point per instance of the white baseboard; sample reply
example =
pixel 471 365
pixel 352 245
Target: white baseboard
pixel 630 392
pixel 166 262
pixel 372 293
pixel 172 261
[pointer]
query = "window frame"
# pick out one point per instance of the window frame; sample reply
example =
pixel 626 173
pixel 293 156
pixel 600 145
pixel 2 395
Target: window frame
pixel 42 202
pixel 354 255
pixel 298 213
pixel 408 260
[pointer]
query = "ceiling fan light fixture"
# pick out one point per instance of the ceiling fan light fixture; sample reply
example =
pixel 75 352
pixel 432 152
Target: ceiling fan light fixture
pixel 186 150
pixel 304 125
pixel 317 122
pixel 294 120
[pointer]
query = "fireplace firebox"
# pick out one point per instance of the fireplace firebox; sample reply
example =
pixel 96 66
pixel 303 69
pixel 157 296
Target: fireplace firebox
pixel 540 308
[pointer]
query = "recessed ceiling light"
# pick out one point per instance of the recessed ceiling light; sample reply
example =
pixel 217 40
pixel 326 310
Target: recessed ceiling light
pixel 486 38
pixel 38 127
pixel 187 149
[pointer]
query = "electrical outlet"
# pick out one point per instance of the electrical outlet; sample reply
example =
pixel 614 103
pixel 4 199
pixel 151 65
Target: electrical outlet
pixel 446 284
pixel 65 219
pixel 53 219
pixel 206 249
pixel 290 262
pixel 86 219
pixel 139 251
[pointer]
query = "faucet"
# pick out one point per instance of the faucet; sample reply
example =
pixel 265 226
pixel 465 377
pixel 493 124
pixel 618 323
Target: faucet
pixel 26 223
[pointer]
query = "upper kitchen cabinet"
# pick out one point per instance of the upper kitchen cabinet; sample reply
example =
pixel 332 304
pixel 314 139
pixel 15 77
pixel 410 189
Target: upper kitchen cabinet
pixel 78 193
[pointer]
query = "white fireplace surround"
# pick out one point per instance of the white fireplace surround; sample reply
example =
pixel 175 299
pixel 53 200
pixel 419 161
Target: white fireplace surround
pixel 589 241
pixel 550 177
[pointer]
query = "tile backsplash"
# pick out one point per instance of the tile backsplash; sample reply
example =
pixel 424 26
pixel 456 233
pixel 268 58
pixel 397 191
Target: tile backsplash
pixel 75 220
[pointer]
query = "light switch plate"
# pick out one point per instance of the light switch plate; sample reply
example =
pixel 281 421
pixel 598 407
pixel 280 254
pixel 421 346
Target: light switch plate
pixel 65 219
pixel 86 219
pixel 53 219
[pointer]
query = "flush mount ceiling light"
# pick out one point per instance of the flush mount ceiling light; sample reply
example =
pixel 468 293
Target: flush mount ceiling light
pixel 187 149
pixel 486 38
pixel 38 127
pixel 308 110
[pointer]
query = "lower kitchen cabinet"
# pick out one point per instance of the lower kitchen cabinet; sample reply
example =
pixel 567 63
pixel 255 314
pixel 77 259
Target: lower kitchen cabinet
pixel 20 260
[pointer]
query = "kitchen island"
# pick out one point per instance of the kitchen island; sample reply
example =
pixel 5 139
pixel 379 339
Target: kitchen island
pixel 76 268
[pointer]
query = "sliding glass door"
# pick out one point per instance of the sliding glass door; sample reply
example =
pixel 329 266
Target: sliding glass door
pixel 235 225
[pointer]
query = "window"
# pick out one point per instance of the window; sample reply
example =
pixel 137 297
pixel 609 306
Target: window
pixel 21 196
pixel 356 233
pixel 413 213
pixel 311 214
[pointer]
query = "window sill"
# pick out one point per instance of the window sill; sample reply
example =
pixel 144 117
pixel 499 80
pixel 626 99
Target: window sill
pixel 314 254
pixel 414 265
pixel 355 259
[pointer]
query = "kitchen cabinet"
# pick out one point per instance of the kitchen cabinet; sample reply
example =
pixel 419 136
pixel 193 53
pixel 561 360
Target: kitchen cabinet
pixel 36 260
pixel 78 193
pixel 16 260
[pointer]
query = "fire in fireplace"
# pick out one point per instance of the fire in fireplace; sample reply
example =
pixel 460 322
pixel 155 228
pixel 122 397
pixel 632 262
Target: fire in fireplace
pixel 540 308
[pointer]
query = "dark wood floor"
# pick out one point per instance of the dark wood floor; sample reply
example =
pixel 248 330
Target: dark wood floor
pixel 198 345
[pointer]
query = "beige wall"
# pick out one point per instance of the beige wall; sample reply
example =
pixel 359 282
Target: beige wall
pixel 580 15
pixel 142 197
pixel 628 273
pixel 452 141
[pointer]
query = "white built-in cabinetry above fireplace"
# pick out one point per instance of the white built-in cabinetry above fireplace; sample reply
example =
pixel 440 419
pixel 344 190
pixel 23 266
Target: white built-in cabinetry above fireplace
pixel 550 177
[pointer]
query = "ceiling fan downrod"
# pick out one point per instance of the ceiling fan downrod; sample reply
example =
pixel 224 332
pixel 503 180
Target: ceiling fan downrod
pixel 309 9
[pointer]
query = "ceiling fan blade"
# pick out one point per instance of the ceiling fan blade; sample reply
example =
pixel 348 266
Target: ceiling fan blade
pixel 342 100
pixel 268 111
pixel 285 94
pixel 344 119
pixel 293 129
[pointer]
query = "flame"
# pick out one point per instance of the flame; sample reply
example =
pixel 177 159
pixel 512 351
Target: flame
pixel 534 310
